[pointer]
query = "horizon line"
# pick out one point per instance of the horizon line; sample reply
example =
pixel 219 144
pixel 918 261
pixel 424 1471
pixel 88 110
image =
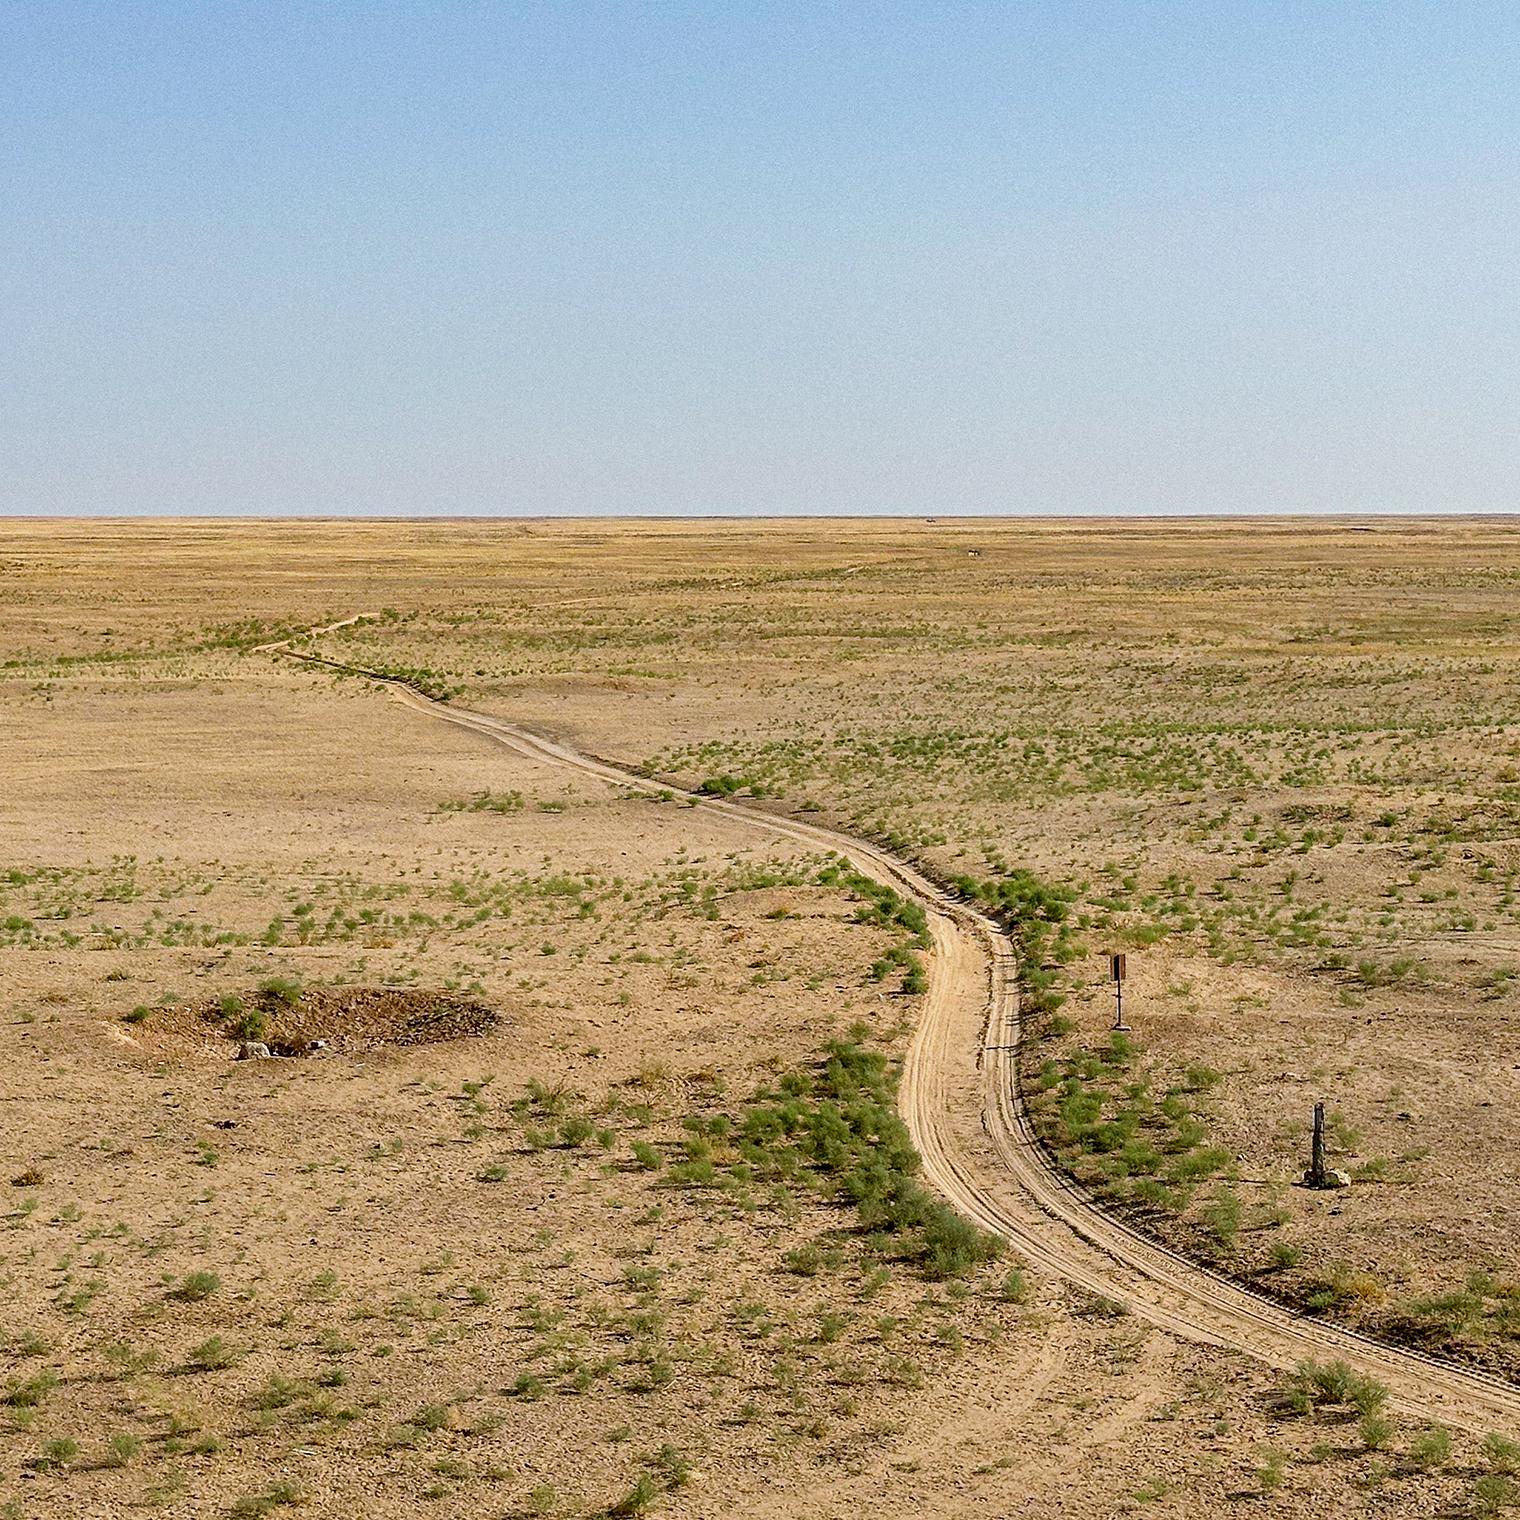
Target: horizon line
pixel 922 518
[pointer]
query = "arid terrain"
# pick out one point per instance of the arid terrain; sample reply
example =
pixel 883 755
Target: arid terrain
pixel 576 1186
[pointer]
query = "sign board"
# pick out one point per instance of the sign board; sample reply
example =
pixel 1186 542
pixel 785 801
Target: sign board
pixel 1116 965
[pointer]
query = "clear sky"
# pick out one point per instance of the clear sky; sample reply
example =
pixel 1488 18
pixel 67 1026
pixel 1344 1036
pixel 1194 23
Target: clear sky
pixel 330 257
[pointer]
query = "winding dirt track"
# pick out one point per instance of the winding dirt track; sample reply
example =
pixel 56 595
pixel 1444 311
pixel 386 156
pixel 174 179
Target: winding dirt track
pixel 960 1098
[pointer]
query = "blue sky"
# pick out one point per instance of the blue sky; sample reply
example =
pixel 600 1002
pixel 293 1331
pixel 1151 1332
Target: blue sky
pixel 583 258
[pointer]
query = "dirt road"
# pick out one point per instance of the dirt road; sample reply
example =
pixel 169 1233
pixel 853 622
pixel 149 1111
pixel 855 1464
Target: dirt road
pixel 960 1098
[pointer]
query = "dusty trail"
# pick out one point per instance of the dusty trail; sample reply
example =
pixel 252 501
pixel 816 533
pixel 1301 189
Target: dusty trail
pixel 960 1099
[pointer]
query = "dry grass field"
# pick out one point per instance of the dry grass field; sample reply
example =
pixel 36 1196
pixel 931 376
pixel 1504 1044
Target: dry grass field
pixel 556 1205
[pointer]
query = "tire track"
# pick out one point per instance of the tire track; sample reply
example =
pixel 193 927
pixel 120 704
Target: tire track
pixel 960 1099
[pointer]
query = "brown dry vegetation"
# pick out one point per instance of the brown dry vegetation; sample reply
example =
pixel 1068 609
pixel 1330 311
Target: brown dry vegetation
pixel 527 1267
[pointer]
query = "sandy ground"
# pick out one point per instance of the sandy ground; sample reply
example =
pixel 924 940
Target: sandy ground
pixel 378 1302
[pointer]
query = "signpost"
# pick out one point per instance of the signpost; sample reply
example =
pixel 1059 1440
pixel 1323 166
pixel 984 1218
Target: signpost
pixel 1116 967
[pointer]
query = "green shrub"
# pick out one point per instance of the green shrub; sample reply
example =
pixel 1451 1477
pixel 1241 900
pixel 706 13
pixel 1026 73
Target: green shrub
pixel 637 1500
pixel 721 786
pixel 486 802
pixel 675 1468
pixel 1223 1217
pixel 212 1354
pixel 123 1446
pixel 248 1024
pixel 1502 1454
pixel 1430 1449
pixel 1272 1472
pixel 1336 1383
pixel 274 1497
pixel 1494 1493
pixel 1014 1289
pixel 805 1261
pixel 953 1245
pixel 278 1391
pixel 197 1285
pixel 58 1453
pixel 30 1392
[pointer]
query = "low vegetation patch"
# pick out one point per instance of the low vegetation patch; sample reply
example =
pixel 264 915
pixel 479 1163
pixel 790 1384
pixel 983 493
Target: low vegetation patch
pixel 835 1128
pixel 486 802
pixel 1107 1126
pixel 1036 915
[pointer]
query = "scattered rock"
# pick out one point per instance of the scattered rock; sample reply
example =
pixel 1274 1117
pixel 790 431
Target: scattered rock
pixel 1329 1178
pixel 300 1046
pixel 253 1050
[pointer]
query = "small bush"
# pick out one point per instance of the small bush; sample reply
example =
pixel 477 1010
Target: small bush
pixel 28 1394
pixel 196 1286
pixel 1014 1288
pixel 212 1354
pixel 953 1245
pixel 1502 1454
pixel 487 802
pixel 805 1261
pixel 278 1391
pixel 248 1024
pixel 637 1500
pixel 1335 1383
pixel 1223 1217
pixel 58 1453
pixel 1430 1449
pixel 273 1497
pixel 674 1466
pixel 123 1446
pixel 1494 1493
pixel 282 989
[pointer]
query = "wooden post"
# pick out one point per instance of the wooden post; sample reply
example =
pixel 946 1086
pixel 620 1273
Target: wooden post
pixel 1319 1175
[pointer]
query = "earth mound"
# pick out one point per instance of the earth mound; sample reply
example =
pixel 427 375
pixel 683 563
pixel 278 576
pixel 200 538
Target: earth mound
pixel 303 1021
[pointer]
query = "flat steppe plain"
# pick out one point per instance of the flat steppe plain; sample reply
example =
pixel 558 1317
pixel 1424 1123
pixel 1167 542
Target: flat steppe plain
pixel 505 1244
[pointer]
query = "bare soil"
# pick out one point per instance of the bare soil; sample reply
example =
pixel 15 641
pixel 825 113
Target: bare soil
pixel 443 1278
